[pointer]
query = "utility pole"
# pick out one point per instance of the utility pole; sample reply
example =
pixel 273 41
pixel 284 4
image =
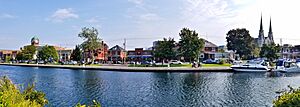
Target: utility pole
pixel 124 44
pixel 281 48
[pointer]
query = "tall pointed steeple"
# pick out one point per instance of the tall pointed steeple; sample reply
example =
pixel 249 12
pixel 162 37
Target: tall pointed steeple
pixel 261 25
pixel 261 37
pixel 270 34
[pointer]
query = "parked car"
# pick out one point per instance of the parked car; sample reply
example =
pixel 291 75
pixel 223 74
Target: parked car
pixel 210 61
pixel 146 63
pixel 41 62
pixel 175 62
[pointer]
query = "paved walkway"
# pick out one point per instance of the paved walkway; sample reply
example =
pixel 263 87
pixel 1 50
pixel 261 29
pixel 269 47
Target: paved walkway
pixel 128 69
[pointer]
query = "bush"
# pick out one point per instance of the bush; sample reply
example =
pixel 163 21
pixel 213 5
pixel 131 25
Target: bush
pixel 10 96
pixel 222 61
pixel 95 104
pixel 290 98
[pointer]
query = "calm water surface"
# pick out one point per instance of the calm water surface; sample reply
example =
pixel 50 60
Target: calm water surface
pixel 64 87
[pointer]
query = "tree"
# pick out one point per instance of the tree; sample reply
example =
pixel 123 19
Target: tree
pixel 48 53
pixel 165 49
pixel 20 56
pixel 91 41
pixel 76 54
pixel 269 51
pixel 190 44
pixel 240 41
pixel 27 53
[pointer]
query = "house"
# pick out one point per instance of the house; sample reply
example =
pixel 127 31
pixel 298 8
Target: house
pixel 139 55
pixel 209 50
pixel 11 54
pixel 102 54
pixel 116 54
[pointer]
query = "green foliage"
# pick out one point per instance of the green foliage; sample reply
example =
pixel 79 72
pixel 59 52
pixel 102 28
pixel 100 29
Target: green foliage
pixel 8 58
pixel 76 54
pixel 47 53
pixel 190 44
pixel 95 104
pixel 171 65
pixel 27 53
pixel 33 95
pixel 239 40
pixel 165 49
pixel 10 96
pixel 216 65
pixel 222 61
pixel 91 41
pixel 269 51
pixel 290 98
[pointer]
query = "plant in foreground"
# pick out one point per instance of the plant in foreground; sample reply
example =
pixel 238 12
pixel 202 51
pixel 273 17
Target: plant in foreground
pixel 288 98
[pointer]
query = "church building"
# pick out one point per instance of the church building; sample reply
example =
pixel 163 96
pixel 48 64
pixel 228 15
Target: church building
pixel 261 38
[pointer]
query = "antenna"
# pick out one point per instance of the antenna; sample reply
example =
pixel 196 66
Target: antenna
pixel 124 44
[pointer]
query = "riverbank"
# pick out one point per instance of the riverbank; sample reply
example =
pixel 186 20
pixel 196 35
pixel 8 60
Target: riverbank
pixel 127 69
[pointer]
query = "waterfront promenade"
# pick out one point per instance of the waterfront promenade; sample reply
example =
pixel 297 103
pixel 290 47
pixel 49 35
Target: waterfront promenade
pixel 128 69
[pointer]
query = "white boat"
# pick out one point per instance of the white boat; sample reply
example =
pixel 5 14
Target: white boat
pixel 252 66
pixel 287 66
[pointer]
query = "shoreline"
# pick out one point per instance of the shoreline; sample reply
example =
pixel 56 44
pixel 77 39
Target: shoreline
pixel 127 69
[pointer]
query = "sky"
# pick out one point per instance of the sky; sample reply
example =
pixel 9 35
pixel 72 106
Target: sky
pixel 140 22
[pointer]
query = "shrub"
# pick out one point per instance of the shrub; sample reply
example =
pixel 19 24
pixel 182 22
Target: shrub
pixel 290 98
pixel 10 96
pixel 95 104
pixel 222 61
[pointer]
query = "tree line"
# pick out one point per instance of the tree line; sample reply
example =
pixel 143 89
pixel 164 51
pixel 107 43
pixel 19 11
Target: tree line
pixel 47 53
pixel 189 46
pixel 240 41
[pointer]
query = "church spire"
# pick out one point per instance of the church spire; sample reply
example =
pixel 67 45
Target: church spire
pixel 261 37
pixel 270 29
pixel 261 25
pixel 270 34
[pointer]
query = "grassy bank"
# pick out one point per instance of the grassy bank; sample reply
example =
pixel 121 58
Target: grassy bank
pixel 182 65
pixel 216 65
pixel 171 65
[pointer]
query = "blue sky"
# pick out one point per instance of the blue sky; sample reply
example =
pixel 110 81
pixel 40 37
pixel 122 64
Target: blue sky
pixel 58 22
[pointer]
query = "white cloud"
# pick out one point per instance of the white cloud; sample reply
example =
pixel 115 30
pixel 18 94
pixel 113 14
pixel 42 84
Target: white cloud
pixel 93 20
pixel 7 16
pixel 149 17
pixel 136 2
pixel 63 14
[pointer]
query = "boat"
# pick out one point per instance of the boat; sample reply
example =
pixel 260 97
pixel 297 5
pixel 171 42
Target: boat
pixel 287 66
pixel 251 66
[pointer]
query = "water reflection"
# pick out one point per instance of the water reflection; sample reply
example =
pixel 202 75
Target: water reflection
pixel 65 87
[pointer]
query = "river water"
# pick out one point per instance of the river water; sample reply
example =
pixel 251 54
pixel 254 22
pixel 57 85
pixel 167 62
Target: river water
pixel 65 87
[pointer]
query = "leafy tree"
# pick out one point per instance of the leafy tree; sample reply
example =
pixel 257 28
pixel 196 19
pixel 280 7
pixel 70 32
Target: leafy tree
pixel 256 51
pixel 47 53
pixel 190 44
pixel 240 41
pixel 269 51
pixel 27 53
pixel 76 54
pixel 91 41
pixel 8 58
pixel 20 56
pixel 165 49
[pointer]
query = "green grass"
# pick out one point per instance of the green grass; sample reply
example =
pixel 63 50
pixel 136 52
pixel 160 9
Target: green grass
pixel 216 65
pixel 182 65
pixel 171 65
